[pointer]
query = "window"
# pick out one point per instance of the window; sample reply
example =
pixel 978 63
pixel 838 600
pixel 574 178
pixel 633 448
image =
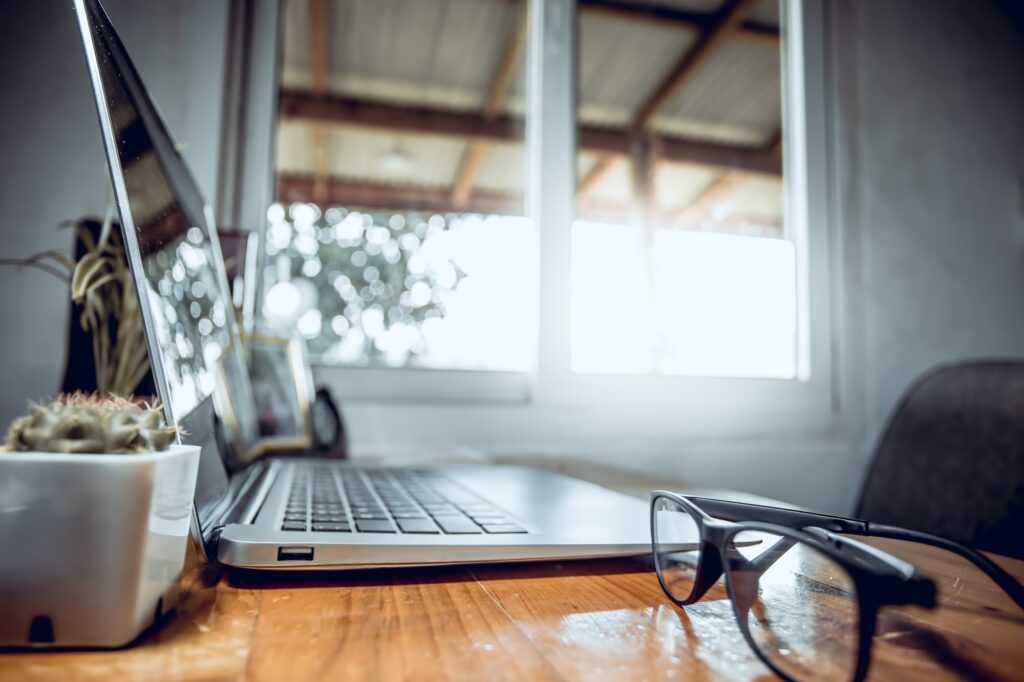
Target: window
pixel 680 262
pixel 587 195
pixel 399 238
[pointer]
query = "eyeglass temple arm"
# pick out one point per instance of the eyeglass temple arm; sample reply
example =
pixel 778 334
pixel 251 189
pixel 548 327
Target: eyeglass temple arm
pixel 858 553
pixel 1000 577
pixel 795 518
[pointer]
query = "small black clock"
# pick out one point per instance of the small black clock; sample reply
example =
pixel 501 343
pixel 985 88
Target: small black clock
pixel 329 437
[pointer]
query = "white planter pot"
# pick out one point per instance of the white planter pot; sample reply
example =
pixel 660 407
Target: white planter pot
pixel 91 546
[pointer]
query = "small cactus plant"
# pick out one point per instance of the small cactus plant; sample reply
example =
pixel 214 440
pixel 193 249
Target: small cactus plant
pixel 89 424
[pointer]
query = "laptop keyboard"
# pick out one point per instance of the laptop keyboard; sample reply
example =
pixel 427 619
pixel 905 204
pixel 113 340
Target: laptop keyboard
pixel 331 499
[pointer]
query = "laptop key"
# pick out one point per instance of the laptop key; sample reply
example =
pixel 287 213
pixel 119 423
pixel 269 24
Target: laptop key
pixel 420 525
pixel 374 527
pixel 457 525
pixel 332 528
pixel 408 515
pixel 489 520
pixel 293 526
pixel 503 528
pixel 371 516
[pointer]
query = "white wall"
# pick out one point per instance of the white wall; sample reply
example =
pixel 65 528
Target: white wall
pixel 52 166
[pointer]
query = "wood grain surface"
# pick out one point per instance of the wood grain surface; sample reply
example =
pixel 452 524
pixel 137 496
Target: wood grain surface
pixel 592 620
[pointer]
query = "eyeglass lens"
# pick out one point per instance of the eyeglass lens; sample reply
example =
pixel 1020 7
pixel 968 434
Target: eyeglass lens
pixel 797 604
pixel 676 551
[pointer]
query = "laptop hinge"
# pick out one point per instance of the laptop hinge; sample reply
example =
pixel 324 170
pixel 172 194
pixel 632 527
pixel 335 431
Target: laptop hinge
pixel 245 495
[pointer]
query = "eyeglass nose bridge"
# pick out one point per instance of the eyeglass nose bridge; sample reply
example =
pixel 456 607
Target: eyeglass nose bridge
pixel 709 566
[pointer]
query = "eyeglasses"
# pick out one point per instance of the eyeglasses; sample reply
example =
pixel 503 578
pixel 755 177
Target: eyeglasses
pixel 805 598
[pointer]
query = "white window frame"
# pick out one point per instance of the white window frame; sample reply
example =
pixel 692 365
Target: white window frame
pixel 704 404
pixel 715 402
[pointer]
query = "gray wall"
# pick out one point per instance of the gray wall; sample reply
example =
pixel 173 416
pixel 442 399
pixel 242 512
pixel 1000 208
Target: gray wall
pixel 932 135
pixel 52 167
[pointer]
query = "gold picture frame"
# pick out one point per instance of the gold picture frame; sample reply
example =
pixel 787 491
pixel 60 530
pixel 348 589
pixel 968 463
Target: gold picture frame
pixel 282 388
pixel 276 416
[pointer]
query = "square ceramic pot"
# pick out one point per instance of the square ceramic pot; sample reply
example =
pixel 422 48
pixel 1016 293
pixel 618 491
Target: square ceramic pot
pixel 91 546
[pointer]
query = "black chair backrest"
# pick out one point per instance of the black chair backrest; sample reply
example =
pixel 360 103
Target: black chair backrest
pixel 951 461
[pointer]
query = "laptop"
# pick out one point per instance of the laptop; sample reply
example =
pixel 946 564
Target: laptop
pixel 293 513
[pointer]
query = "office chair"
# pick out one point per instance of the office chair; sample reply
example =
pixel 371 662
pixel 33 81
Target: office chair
pixel 951 461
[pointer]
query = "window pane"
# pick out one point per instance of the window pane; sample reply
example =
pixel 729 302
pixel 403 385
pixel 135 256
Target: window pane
pixel 680 258
pixel 399 236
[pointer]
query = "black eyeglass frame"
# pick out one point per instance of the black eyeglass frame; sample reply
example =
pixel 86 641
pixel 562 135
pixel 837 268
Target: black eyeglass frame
pixel 879 579
pixel 729 510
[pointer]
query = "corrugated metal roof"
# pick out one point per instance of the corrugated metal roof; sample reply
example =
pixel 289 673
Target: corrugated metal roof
pixel 621 63
pixel 733 98
pixel 443 54
pixel 428 52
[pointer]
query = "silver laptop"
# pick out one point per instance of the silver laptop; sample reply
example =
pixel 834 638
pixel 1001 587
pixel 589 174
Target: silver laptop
pixel 294 513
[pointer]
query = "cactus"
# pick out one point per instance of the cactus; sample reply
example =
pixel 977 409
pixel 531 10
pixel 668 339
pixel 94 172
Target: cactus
pixel 81 423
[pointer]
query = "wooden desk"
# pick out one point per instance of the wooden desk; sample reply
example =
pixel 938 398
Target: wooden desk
pixel 571 620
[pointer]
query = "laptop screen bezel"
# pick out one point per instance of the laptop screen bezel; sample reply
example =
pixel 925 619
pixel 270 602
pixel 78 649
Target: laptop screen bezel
pixel 200 421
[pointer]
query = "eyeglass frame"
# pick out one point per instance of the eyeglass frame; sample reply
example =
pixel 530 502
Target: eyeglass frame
pixel 879 578
pixel 729 510
pixel 820 531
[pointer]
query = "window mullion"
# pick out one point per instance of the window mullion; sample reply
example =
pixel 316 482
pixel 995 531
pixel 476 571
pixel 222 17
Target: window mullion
pixel 551 133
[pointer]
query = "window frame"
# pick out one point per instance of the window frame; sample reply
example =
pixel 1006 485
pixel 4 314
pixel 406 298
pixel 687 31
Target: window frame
pixel 757 405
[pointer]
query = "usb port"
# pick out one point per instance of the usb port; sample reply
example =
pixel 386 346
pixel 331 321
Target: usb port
pixel 294 553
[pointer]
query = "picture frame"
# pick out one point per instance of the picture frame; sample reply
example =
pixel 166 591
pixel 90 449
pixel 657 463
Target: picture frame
pixel 283 392
pixel 235 407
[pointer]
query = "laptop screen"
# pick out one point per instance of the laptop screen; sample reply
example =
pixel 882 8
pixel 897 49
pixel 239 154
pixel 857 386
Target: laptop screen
pixel 175 258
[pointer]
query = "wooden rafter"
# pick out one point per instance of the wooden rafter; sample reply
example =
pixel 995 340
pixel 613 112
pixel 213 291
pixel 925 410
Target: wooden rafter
pixel 476 151
pixel 318 61
pixel 595 174
pixel 724 26
pixel 332 109
pixel 367 195
pixel 701 208
pixel 712 30
pixel 711 33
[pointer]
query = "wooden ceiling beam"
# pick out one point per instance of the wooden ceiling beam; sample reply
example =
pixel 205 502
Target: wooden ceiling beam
pixel 307 107
pixel 725 25
pixel 476 151
pixel 365 195
pixel 341 192
pixel 594 176
pixel 470 164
